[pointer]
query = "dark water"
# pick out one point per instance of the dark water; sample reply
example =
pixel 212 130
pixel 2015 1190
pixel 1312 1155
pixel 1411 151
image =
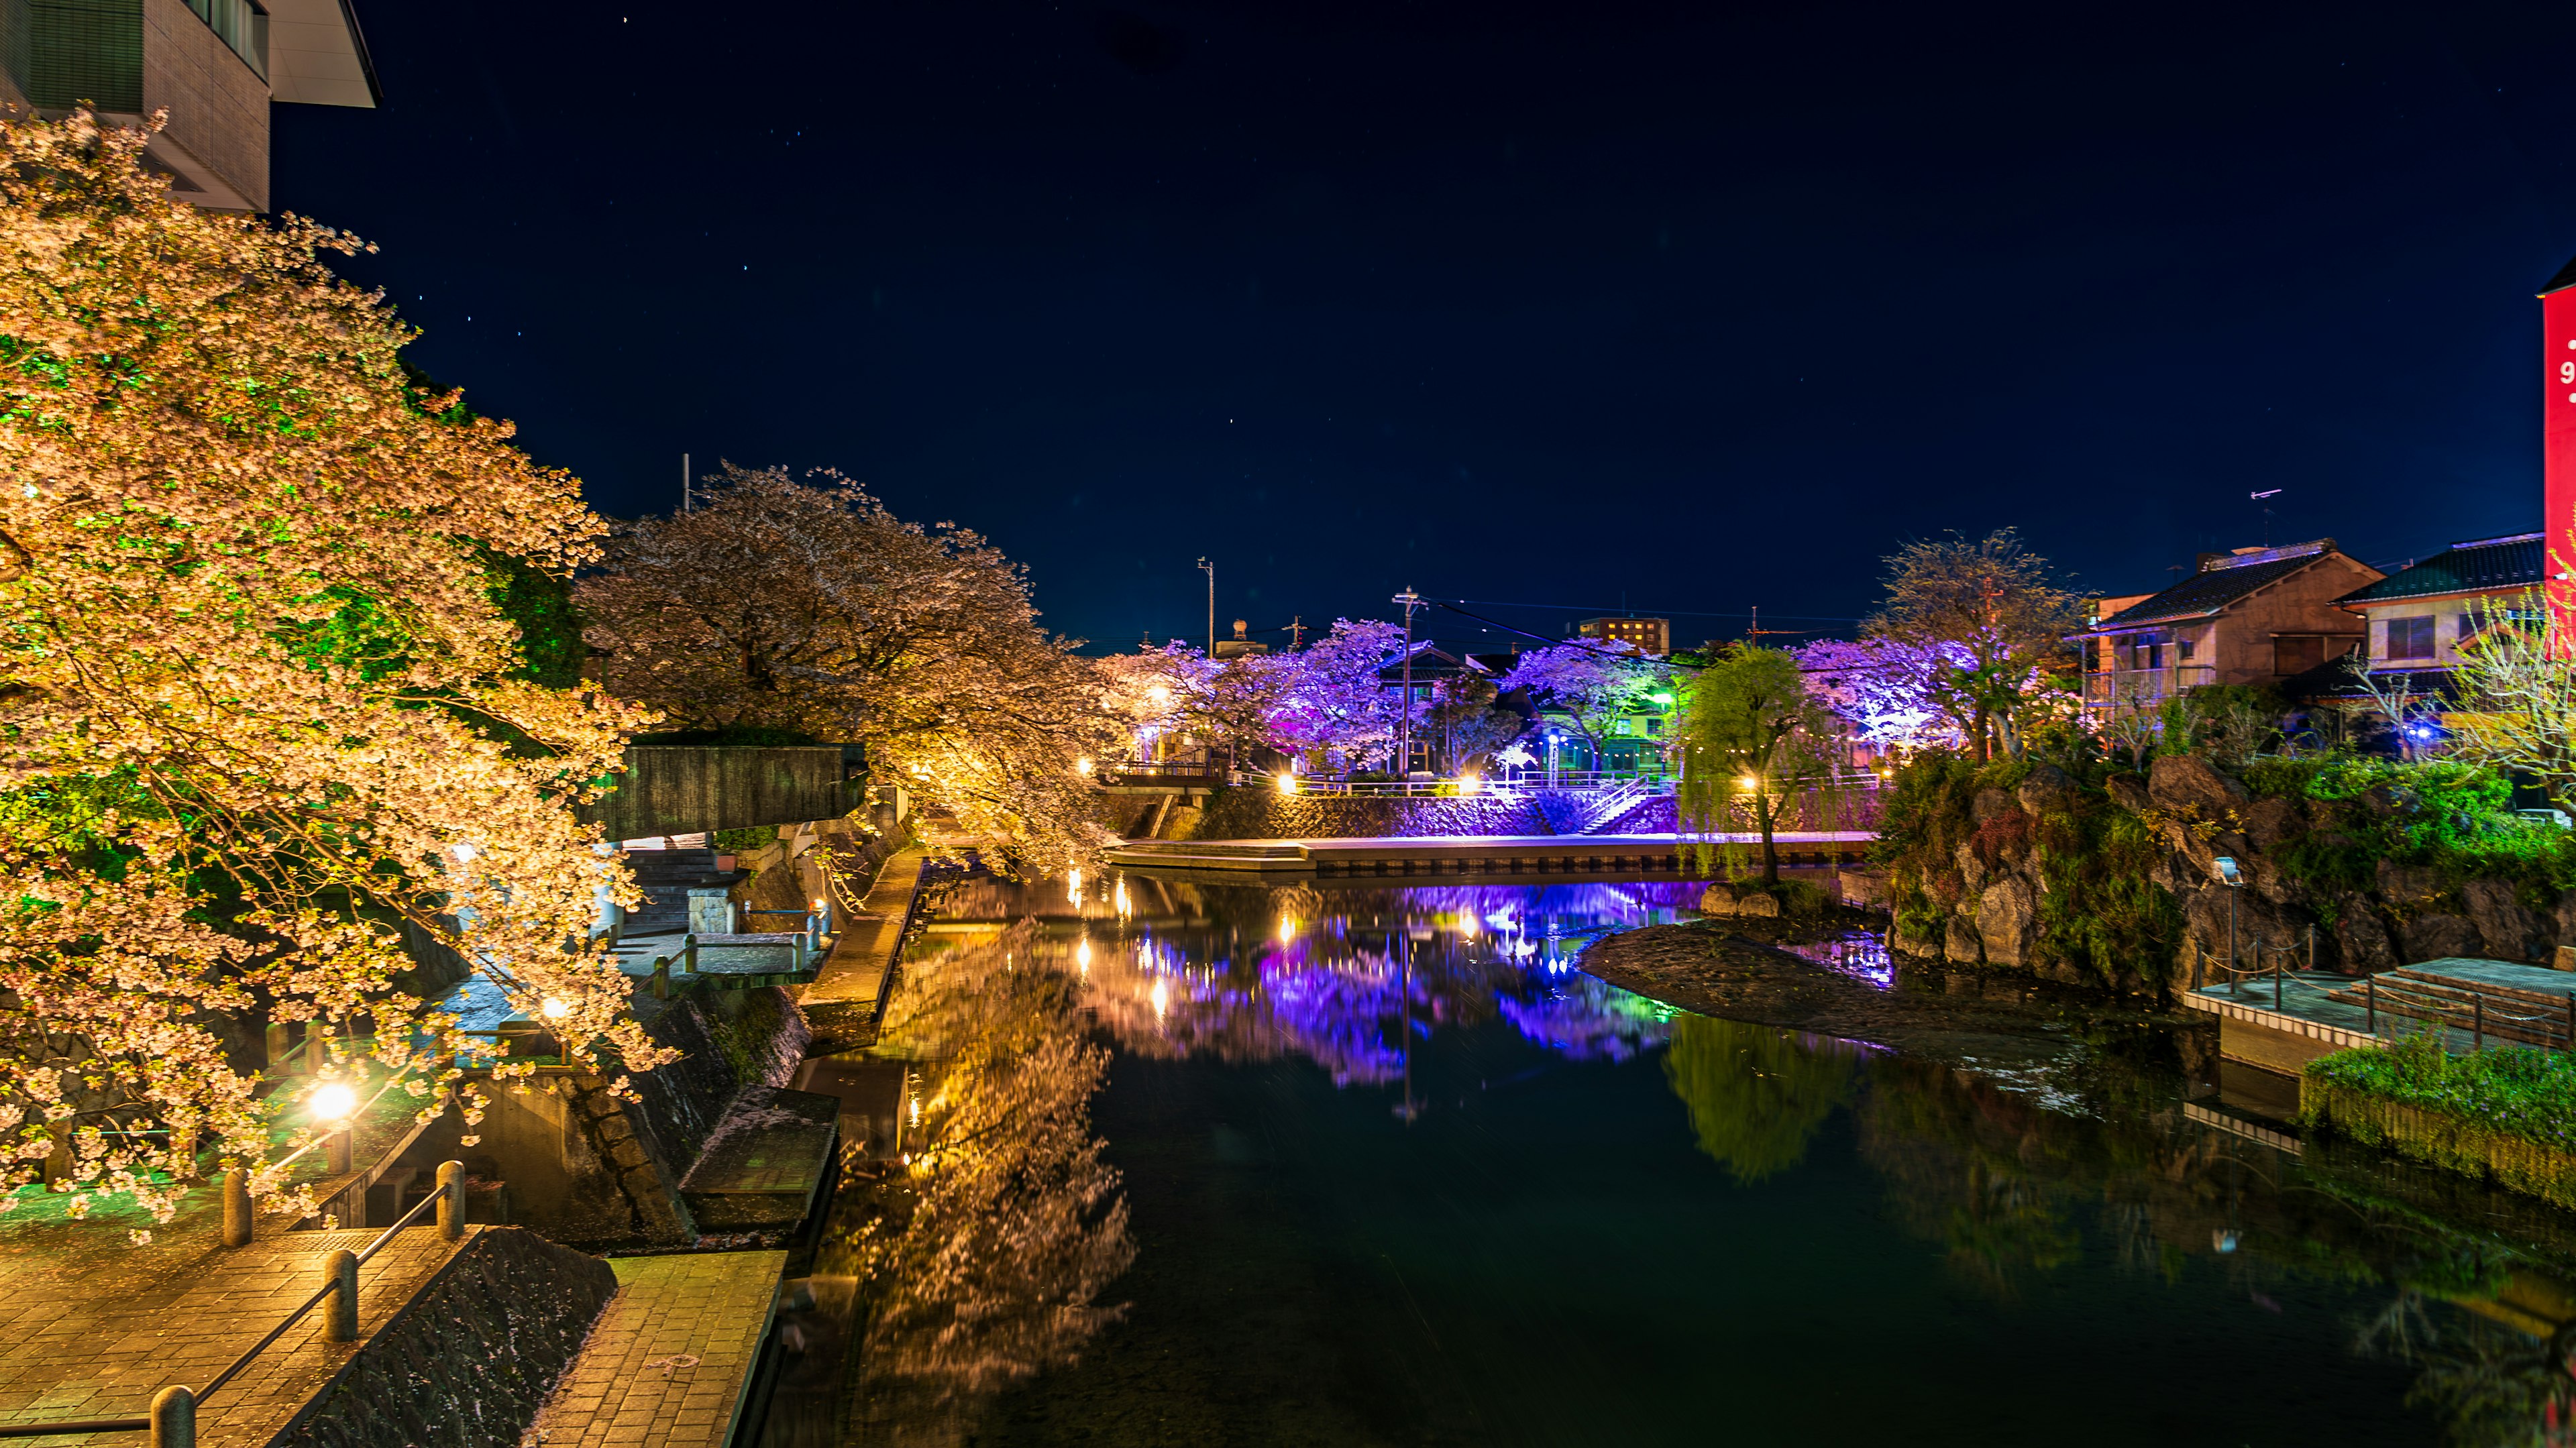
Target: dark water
pixel 1393 1172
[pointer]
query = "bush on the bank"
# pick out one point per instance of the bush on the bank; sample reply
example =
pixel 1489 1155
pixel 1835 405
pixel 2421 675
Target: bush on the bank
pixel 2506 1111
pixel 2456 818
pixel 2512 1089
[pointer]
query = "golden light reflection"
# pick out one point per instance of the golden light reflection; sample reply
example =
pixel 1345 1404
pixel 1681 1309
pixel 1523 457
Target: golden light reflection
pixel 1162 997
pixel 1124 909
pixel 1073 886
pixel 1287 929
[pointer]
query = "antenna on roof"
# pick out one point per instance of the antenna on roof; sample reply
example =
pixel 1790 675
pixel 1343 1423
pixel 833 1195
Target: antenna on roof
pixel 2267 512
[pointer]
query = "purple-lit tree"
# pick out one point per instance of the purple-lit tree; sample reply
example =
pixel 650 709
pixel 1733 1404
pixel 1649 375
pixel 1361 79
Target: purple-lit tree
pixel 1888 690
pixel 1330 699
pixel 1590 684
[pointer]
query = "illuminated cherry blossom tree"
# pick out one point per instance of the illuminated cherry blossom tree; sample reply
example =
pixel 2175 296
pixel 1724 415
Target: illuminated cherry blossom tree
pixel 803 604
pixel 259 710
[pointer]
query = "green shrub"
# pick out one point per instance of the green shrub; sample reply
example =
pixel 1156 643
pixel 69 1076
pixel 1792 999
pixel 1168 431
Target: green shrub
pixel 2511 1089
pixel 2507 1111
pixel 735 842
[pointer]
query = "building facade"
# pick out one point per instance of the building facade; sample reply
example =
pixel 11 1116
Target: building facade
pixel 2418 617
pixel 215 66
pixel 1652 636
pixel 2253 616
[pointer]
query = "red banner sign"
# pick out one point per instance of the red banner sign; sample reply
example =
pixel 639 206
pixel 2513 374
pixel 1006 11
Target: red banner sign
pixel 2558 456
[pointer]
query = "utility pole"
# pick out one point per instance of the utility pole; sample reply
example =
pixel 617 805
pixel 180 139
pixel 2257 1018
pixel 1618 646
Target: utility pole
pixel 1210 570
pixel 684 482
pixel 1404 718
pixel 1296 632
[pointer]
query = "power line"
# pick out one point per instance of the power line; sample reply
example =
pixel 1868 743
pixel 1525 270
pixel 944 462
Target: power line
pixel 1650 612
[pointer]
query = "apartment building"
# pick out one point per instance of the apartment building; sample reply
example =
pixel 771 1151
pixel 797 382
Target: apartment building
pixel 216 66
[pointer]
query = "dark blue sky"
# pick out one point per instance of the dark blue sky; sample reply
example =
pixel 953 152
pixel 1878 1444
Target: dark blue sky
pixel 1551 305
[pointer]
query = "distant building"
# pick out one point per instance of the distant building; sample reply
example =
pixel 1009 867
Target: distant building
pixel 214 65
pixel 1241 646
pixel 2254 616
pixel 2418 617
pixel 1652 636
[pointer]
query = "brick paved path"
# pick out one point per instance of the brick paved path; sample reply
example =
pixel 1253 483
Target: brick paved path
pixel 633 1385
pixel 854 974
pixel 100 1343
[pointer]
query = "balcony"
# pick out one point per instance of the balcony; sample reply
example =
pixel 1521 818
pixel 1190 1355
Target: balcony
pixel 2123 690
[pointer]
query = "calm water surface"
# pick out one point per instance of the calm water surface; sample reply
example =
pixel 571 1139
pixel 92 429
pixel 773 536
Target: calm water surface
pixel 1379 1166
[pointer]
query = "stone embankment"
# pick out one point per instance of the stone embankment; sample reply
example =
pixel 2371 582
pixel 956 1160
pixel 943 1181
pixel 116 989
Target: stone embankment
pixel 1987 901
pixel 469 1359
pixel 1254 813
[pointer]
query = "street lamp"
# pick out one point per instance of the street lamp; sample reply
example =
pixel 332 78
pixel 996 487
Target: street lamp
pixel 1404 718
pixel 2234 879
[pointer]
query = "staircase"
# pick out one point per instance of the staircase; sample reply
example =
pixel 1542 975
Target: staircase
pixel 2492 1010
pixel 667 877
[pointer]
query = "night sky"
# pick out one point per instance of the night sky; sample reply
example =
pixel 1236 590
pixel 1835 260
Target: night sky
pixel 1562 305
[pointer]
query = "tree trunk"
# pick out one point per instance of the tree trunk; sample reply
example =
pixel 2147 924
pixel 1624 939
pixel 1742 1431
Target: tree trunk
pixel 1763 810
pixel 1985 754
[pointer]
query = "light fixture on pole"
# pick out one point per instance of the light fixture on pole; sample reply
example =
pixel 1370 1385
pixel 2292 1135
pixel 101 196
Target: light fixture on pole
pixel 1210 570
pixel 1404 716
pixel 2235 881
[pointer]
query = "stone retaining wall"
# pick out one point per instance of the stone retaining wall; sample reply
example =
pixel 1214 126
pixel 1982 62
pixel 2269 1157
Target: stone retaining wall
pixel 468 1361
pixel 1254 813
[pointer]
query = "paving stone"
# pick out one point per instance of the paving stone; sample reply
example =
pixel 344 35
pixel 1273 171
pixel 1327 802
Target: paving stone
pixel 625 1387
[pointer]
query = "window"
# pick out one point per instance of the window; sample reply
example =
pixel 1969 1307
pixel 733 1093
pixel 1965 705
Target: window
pixel 2182 651
pixel 1619 726
pixel 2410 638
pixel 1654 726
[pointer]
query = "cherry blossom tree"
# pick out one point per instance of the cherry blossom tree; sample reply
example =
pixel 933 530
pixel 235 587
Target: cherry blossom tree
pixel 806 605
pixel 1890 692
pixel 1591 684
pixel 1330 699
pixel 259 709
pixel 2004 606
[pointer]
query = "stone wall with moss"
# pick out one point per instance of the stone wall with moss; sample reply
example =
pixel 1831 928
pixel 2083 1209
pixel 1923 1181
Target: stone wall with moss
pixel 2080 872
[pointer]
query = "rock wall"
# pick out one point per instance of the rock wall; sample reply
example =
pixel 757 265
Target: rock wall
pixel 468 1361
pixel 1996 884
pixel 586 1164
pixel 1253 813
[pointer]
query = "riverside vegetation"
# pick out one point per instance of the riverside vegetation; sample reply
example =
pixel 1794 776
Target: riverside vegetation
pixel 2102 872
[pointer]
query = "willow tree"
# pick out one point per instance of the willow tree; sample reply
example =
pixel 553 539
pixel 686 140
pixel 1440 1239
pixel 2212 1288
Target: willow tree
pixel 805 605
pixel 1755 742
pixel 259 708
pixel 2001 606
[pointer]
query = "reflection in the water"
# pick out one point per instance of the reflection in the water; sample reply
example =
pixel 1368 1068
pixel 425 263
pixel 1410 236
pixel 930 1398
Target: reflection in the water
pixel 1351 980
pixel 985 1245
pixel 993 1247
pixel 1757 1096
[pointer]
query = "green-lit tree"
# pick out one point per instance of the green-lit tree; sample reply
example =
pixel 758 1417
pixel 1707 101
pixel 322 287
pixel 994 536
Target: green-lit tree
pixel 1757 1096
pixel 1754 740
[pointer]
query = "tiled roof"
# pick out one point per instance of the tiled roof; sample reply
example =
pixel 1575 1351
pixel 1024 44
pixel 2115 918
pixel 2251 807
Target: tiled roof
pixel 2483 564
pixel 2219 583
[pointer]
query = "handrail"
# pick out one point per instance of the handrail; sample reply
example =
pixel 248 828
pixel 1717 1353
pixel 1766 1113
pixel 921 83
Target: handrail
pixel 198 1400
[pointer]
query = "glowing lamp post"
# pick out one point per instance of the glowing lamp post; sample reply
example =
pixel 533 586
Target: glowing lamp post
pixel 332 1104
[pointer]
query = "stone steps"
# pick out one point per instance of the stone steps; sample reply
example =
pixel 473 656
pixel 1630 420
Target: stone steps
pixel 2503 1011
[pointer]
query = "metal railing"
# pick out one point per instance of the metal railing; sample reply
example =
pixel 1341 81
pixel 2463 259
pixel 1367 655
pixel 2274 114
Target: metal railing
pixel 2553 1030
pixel 172 1421
pixel 2106 688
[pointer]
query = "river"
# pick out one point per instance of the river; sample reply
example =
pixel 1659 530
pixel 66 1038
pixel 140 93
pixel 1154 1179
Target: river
pixel 1196 1163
